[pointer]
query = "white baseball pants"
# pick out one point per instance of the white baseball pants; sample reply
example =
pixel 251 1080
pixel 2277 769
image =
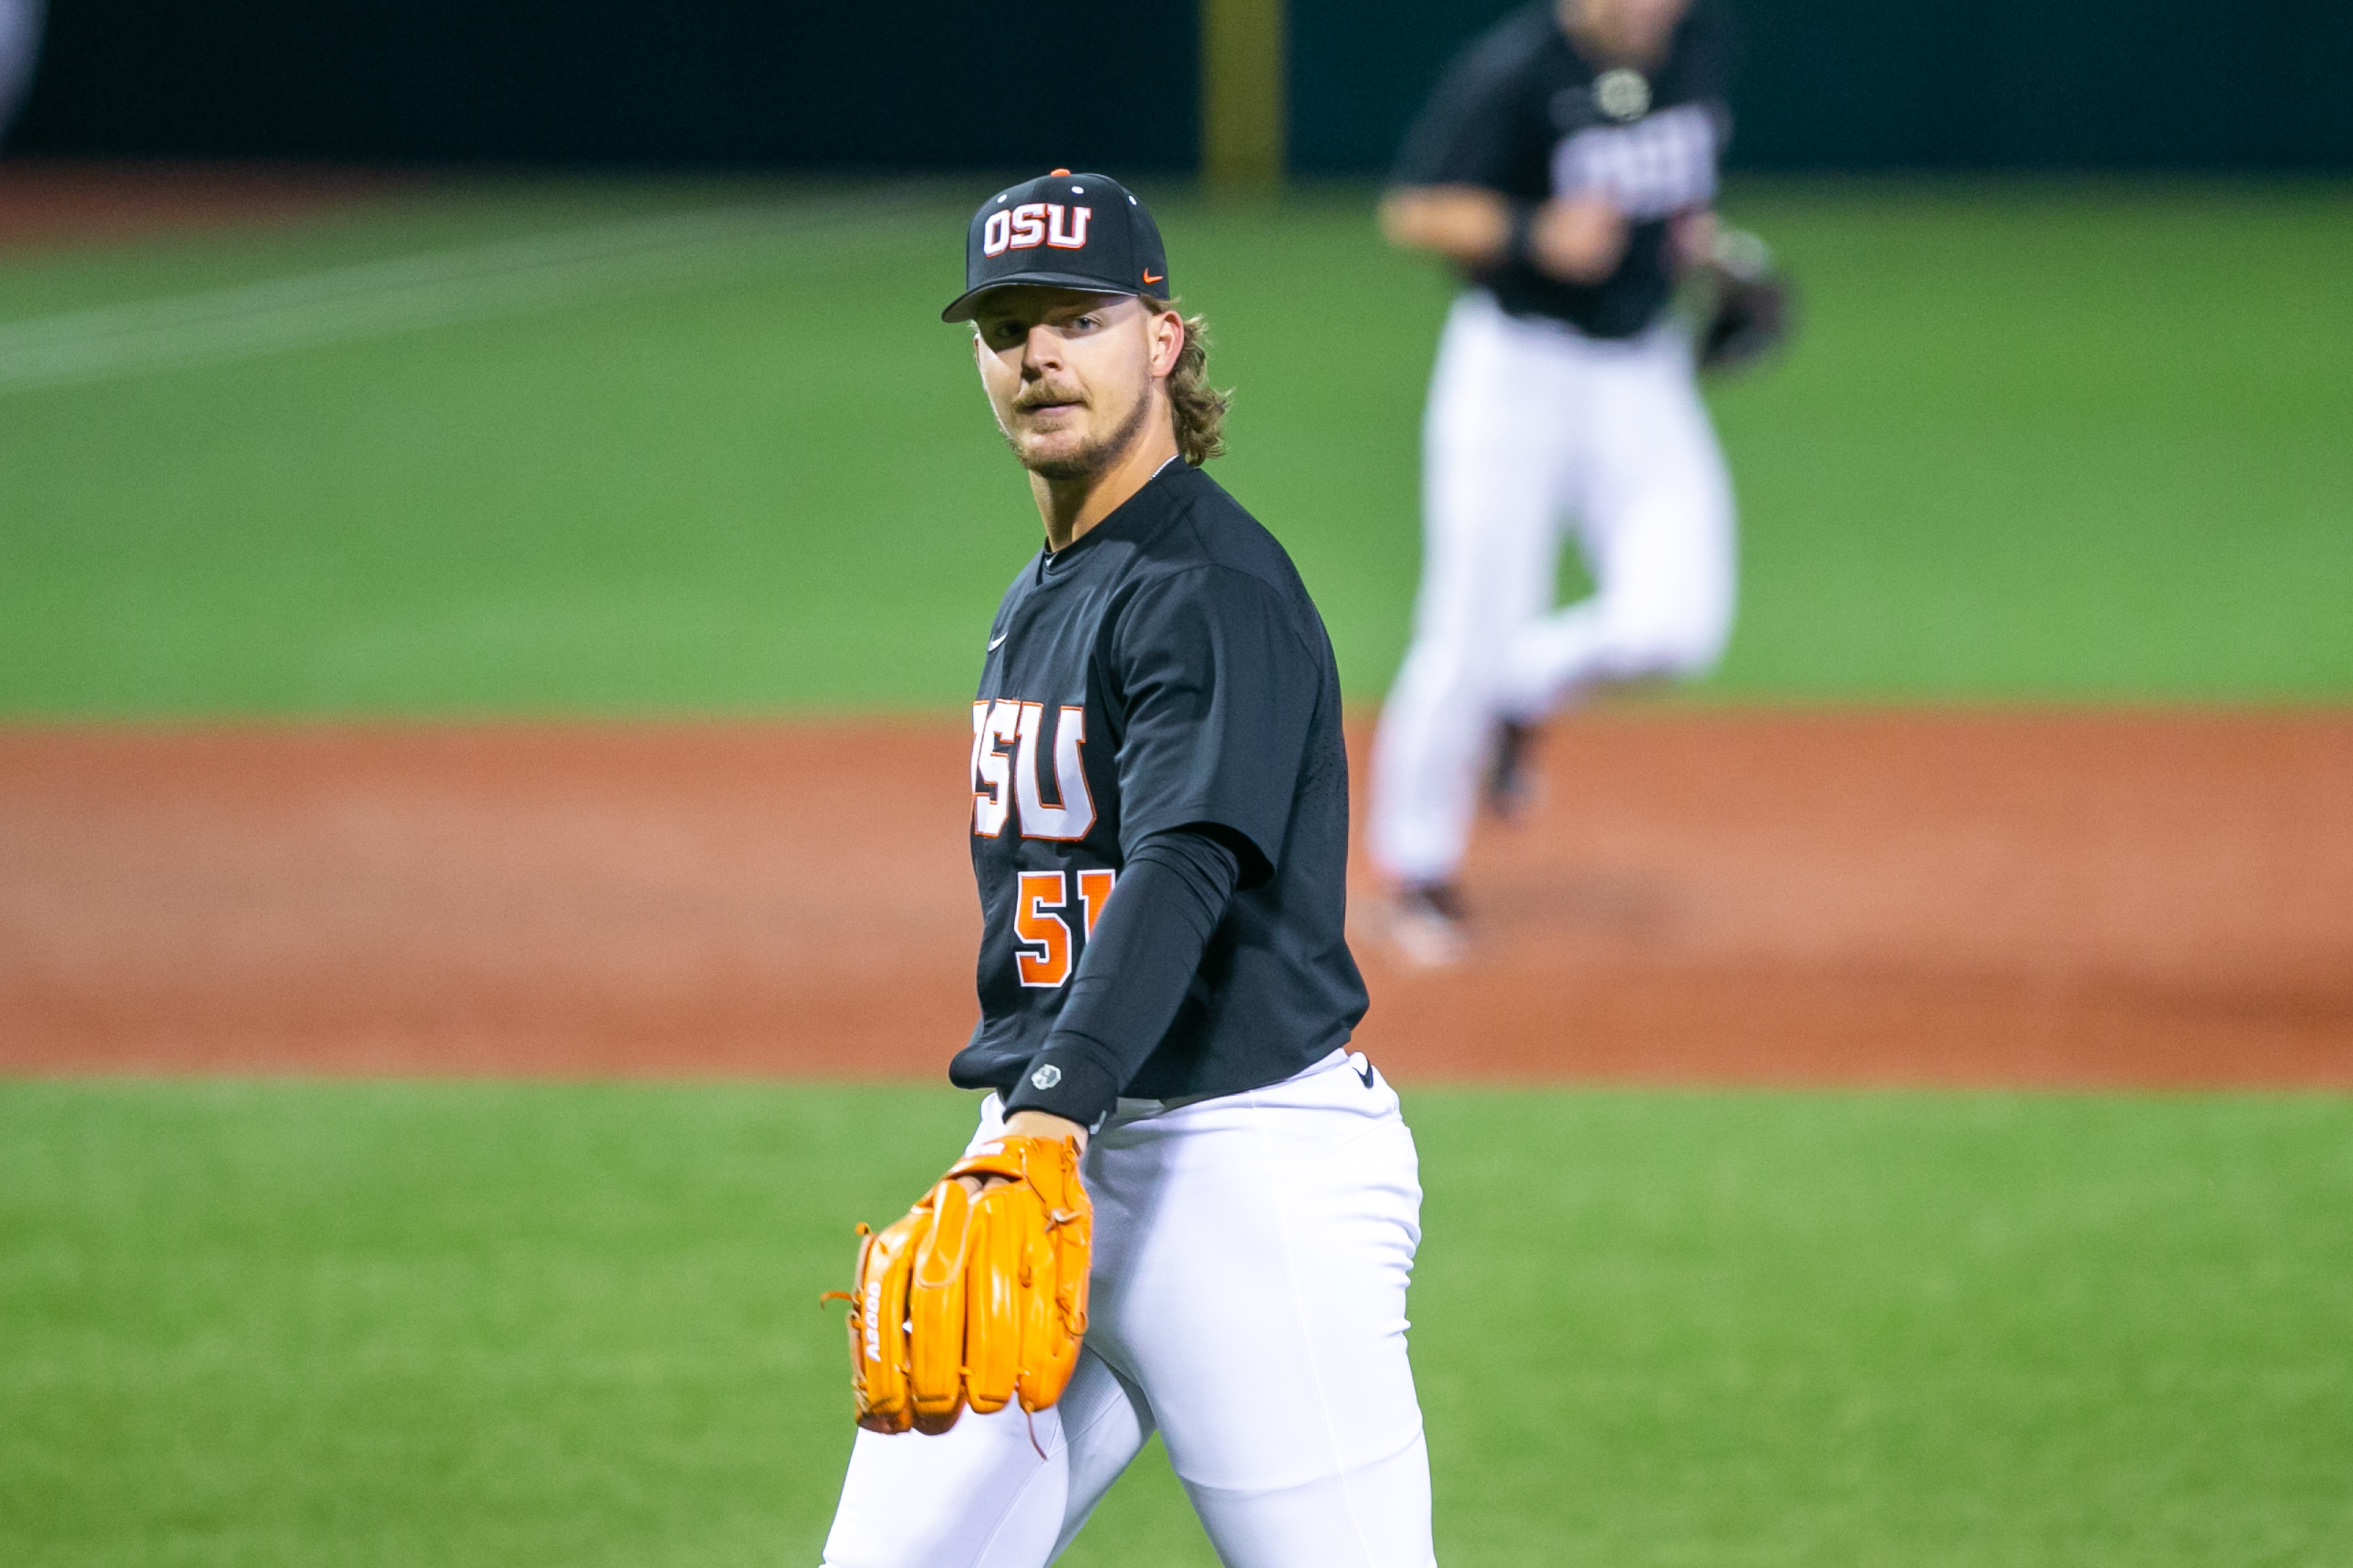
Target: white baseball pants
pixel 1251 1253
pixel 1535 430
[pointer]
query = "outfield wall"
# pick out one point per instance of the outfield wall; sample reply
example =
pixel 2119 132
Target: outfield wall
pixel 2173 84
pixel 1862 84
pixel 619 81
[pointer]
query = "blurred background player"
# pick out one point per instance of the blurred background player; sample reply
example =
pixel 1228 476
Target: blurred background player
pixel 20 48
pixel 1567 164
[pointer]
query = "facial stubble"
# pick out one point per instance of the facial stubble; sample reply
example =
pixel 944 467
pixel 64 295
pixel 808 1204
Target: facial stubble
pixel 1093 457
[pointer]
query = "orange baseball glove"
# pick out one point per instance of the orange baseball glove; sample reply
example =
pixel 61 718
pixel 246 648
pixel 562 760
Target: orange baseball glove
pixel 973 1300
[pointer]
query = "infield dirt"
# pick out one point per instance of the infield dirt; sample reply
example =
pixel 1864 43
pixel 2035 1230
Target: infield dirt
pixel 1718 897
pixel 60 201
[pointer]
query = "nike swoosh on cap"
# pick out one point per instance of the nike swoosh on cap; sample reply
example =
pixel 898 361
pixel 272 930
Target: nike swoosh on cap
pixel 1148 277
pixel 996 639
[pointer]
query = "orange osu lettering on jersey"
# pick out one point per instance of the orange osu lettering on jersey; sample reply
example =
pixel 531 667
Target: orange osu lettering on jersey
pixel 1043 956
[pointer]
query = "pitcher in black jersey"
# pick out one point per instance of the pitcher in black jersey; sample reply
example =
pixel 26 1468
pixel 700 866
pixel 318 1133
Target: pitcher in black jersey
pixel 1566 167
pixel 1159 840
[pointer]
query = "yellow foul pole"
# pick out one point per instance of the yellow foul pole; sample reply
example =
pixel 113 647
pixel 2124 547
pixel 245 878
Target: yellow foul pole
pixel 1242 91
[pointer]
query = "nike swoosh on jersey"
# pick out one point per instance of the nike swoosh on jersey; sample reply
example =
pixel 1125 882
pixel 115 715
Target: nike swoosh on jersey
pixel 999 638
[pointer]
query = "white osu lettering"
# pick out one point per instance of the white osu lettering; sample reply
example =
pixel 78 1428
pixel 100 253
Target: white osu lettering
pixel 1046 1076
pixel 1000 784
pixel 1649 169
pixel 1077 812
pixel 1033 224
pixel 992 770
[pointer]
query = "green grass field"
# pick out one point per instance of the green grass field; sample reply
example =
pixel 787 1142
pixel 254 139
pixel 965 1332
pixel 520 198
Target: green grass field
pixel 281 1323
pixel 2041 442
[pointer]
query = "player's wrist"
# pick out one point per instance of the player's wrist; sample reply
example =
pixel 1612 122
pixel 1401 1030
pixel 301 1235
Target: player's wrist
pixel 1046 1125
pixel 1068 1080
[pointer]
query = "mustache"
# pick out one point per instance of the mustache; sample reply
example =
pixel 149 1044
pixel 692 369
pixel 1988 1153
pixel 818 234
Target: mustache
pixel 1045 393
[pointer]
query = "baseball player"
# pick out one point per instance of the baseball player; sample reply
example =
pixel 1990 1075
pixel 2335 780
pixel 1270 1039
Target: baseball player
pixel 1159 836
pixel 1566 165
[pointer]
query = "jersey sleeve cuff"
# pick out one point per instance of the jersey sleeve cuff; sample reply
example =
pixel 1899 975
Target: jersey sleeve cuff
pixel 1068 1078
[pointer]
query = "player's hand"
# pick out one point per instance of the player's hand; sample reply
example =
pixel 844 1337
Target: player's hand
pixel 1578 239
pixel 1030 1124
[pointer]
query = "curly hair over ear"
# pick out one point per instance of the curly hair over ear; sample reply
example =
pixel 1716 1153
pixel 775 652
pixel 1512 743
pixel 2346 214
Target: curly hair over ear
pixel 1200 408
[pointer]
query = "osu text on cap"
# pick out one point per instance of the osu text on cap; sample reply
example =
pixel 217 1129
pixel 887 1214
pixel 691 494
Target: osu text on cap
pixel 1033 224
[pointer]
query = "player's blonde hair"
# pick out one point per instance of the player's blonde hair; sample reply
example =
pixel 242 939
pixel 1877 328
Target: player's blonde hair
pixel 1200 408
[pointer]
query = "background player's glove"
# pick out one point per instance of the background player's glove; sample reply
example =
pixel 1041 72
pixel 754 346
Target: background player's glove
pixel 974 1300
pixel 1748 311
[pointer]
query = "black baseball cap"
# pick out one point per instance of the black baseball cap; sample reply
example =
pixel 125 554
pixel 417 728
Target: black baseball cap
pixel 1063 231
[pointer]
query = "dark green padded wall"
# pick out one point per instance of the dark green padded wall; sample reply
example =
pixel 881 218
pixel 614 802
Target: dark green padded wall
pixel 1838 84
pixel 1864 84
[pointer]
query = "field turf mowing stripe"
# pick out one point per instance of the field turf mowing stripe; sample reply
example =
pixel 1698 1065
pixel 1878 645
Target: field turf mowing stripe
pixel 437 288
pixel 2036 441
pixel 288 1322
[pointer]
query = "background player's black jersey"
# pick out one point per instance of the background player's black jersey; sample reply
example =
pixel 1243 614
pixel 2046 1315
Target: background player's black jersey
pixel 1167 670
pixel 1521 112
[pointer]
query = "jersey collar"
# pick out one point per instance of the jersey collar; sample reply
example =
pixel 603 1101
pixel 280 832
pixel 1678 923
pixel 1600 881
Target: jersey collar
pixel 1136 513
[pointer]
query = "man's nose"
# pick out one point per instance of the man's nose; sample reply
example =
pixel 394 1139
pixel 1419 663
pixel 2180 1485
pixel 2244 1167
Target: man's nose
pixel 1043 348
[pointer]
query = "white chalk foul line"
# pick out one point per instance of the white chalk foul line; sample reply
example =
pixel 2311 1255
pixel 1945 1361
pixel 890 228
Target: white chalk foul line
pixel 375 298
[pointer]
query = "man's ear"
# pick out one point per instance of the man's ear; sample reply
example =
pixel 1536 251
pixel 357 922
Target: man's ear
pixel 1167 341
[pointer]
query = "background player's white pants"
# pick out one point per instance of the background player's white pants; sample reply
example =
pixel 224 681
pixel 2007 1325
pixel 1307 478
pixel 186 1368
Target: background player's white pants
pixel 1251 1253
pixel 1535 430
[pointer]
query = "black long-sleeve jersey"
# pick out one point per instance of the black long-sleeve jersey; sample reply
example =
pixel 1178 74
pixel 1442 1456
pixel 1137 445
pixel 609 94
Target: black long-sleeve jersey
pixel 1165 672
